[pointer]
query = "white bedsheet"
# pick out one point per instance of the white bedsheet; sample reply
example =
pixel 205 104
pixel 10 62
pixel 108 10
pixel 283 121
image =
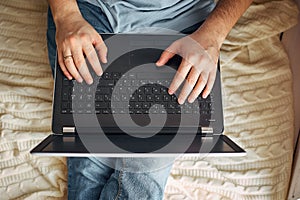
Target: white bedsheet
pixel 257 106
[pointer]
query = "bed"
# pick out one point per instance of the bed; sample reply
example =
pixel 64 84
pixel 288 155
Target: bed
pixel 257 98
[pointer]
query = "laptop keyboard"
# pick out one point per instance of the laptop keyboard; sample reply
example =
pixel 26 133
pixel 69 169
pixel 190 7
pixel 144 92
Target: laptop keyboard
pixel 148 98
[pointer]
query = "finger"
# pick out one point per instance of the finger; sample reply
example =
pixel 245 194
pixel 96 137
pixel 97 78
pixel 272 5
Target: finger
pixel 189 85
pixel 69 63
pixel 101 49
pixel 210 84
pixel 62 65
pixel 92 57
pixel 202 81
pixel 164 58
pixel 180 75
pixel 81 66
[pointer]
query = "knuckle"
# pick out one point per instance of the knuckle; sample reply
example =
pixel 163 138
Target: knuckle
pixel 84 37
pixel 68 62
pixel 78 63
pixel 203 80
pixel 191 80
pixel 88 50
pixel 181 71
pixel 192 56
pixel 72 39
pixel 197 69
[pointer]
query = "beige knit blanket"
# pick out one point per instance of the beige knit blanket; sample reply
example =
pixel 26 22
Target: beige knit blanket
pixel 257 106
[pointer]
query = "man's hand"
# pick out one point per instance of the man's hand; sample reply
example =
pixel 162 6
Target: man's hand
pixel 200 60
pixel 77 41
pixel 199 54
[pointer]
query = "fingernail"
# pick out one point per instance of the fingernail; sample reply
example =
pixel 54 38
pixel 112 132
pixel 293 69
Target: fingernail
pixel 99 73
pixel 79 80
pixel 180 101
pixel 105 60
pixel 90 81
pixel 170 92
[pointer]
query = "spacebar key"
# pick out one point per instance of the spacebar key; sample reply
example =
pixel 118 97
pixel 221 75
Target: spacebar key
pixel 101 104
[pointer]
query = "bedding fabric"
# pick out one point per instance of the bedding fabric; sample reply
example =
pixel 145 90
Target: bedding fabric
pixel 257 91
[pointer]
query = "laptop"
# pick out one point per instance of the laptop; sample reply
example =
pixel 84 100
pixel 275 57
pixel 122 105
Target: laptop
pixel 127 112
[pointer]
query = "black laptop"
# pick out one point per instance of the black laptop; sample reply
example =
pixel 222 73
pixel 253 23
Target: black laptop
pixel 128 111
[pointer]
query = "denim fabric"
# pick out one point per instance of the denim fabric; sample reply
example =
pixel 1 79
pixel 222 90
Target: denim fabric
pixel 91 178
pixel 97 178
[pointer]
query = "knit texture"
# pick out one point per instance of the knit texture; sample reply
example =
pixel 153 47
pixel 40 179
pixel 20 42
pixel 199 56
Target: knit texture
pixel 257 99
pixel 258 111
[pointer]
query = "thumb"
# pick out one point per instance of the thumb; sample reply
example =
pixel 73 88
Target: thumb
pixel 165 57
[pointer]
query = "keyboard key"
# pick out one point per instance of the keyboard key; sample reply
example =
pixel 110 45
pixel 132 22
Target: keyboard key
pixel 142 97
pixel 103 90
pixel 145 111
pixel 116 75
pixel 101 105
pixel 138 111
pixel 158 98
pixel 65 97
pixel 148 90
pixel 132 76
pixel 166 97
pixel 163 90
pixel 149 98
pixel 106 75
pixel 107 97
pixel 104 82
pixel 124 97
pixel 99 97
pixel 146 105
pixel 156 90
pixel 141 90
pixel 65 105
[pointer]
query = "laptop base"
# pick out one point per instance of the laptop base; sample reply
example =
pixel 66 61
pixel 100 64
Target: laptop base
pixel 72 146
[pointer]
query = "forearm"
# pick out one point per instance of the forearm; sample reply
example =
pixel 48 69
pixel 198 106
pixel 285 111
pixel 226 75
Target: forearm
pixel 63 9
pixel 222 19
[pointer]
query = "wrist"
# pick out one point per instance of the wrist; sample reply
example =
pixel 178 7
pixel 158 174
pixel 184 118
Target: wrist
pixel 210 36
pixel 210 40
pixel 68 19
pixel 63 11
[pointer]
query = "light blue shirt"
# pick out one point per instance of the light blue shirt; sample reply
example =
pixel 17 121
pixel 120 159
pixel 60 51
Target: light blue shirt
pixel 138 15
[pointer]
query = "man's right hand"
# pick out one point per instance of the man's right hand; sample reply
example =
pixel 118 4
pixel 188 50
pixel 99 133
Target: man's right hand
pixel 77 41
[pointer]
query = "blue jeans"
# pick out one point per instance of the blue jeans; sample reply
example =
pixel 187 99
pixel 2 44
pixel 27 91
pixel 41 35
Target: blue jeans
pixel 90 178
pixel 109 178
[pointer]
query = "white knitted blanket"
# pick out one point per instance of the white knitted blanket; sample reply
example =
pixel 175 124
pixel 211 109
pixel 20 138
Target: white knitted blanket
pixel 257 107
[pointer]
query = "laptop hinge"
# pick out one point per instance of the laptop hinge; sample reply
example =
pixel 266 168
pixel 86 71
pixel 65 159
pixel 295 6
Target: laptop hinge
pixel 69 129
pixel 207 130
